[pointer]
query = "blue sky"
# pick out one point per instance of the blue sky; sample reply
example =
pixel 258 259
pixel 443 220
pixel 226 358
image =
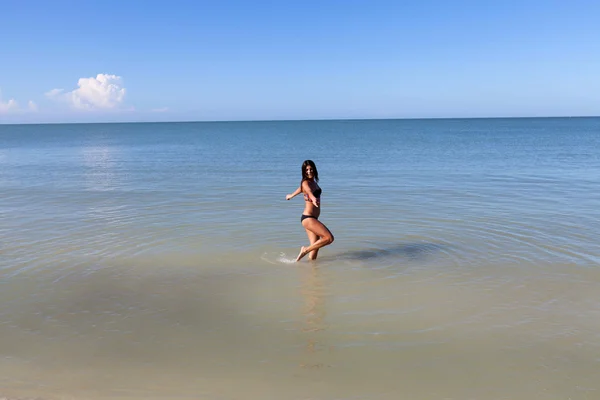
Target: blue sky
pixel 73 61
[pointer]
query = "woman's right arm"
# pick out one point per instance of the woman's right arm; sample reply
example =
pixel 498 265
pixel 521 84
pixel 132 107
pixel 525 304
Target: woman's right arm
pixel 296 193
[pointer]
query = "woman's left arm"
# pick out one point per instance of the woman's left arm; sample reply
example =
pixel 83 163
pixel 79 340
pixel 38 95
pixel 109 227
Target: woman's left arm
pixel 308 192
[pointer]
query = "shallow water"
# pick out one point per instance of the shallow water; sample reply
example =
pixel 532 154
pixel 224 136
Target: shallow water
pixel 153 260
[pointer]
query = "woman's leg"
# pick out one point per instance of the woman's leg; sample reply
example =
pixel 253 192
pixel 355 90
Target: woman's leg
pixel 316 227
pixel 312 239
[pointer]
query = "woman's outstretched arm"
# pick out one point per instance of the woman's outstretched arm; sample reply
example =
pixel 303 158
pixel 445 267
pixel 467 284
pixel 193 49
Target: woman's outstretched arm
pixel 296 193
pixel 309 193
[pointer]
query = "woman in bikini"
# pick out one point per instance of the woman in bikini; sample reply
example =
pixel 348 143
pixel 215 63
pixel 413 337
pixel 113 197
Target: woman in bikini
pixel 318 234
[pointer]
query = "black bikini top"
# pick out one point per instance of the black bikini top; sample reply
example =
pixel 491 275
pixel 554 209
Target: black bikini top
pixel 317 194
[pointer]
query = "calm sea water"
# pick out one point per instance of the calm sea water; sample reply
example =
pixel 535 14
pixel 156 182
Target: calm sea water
pixel 155 260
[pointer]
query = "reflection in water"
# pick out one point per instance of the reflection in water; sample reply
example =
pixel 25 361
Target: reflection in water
pixel 101 168
pixel 313 291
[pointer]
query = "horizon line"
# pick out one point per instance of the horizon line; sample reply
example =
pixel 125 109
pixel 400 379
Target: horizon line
pixel 295 120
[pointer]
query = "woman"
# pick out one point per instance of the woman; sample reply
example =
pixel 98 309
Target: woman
pixel 318 234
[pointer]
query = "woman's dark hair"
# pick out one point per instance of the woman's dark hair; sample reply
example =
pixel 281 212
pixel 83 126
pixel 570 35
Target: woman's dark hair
pixel 314 167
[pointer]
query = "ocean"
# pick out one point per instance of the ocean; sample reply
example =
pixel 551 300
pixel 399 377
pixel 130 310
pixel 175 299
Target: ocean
pixel 156 260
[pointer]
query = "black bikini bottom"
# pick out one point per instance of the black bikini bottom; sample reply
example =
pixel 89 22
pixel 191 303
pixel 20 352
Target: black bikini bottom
pixel 303 217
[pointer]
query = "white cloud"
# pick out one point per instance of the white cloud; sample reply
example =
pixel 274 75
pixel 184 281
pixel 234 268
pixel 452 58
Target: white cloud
pixel 103 92
pixel 11 106
pixel 6 107
pixel 54 93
